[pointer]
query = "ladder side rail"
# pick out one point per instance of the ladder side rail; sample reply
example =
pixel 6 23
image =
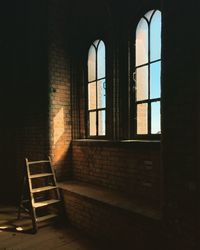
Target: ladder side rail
pixel 31 197
pixel 54 179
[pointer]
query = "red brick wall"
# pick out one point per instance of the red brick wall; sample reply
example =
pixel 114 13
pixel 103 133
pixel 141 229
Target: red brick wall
pixel 29 91
pixel 41 102
pixel 133 168
pixel 59 91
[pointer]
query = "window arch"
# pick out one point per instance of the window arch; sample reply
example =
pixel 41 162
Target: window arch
pixel 147 75
pixel 96 87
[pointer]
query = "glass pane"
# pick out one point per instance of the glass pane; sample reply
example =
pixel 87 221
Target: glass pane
pixel 149 14
pixel 142 118
pixel 101 60
pixel 101 92
pixel 155 36
pixel 92 95
pixel 142 83
pixel 155 118
pixel 155 69
pixel 102 122
pixel 92 64
pixel 142 42
pixel 92 123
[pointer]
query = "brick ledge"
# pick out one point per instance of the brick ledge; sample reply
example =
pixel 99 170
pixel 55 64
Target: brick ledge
pixel 109 197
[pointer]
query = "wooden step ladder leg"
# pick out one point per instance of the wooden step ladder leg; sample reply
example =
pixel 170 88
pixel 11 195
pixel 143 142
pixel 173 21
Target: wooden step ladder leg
pixel 20 205
pixel 54 178
pixel 20 201
pixel 33 217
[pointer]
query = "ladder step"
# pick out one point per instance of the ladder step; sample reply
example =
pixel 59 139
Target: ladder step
pixel 40 175
pixel 41 189
pixel 38 162
pixel 46 217
pixel 44 203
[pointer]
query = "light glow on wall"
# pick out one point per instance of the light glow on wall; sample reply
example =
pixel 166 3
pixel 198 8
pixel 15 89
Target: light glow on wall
pixel 58 125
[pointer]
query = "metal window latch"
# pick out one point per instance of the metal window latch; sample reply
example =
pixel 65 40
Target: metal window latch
pixel 134 79
pixel 134 76
pixel 104 85
pixel 134 89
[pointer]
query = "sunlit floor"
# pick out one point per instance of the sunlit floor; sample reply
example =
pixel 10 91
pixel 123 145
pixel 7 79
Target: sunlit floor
pixel 15 235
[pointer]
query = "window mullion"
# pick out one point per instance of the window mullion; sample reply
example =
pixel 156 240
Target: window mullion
pixel 146 64
pixel 149 105
pixel 97 120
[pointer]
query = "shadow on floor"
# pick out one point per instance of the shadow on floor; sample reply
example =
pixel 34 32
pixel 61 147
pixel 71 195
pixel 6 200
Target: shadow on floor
pixel 17 234
pixel 10 222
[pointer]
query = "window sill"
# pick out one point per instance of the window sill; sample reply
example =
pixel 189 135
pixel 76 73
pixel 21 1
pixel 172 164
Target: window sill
pixel 153 144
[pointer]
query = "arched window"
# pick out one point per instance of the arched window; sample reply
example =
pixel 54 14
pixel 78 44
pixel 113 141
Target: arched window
pixel 147 74
pixel 97 89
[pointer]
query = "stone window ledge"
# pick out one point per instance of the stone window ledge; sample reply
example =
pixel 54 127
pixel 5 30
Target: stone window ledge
pixel 151 144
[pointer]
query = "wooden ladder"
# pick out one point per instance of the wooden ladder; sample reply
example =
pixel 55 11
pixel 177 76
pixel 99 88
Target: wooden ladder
pixel 39 178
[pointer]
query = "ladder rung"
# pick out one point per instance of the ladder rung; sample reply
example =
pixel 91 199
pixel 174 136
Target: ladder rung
pixel 40 175
pixel 38 162
pixel 41 189
pixel 45 203
pixel 46 217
